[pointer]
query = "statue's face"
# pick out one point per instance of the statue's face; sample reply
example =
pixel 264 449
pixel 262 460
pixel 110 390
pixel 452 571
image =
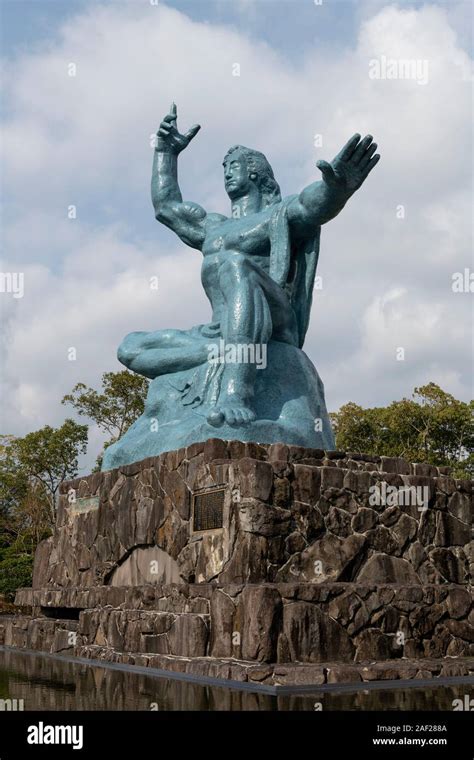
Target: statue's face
pixel 236 175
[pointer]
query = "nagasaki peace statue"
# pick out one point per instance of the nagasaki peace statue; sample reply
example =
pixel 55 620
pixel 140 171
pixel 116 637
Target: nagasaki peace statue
pixel 243 375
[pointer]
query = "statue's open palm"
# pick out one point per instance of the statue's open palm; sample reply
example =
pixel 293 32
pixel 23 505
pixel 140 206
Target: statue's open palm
pixel 169 139
pixel 348 170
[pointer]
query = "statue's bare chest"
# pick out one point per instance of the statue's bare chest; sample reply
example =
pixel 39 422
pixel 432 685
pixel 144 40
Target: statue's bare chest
pixel 248 235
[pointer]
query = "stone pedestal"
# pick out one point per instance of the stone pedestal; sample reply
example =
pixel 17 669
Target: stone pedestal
pixel 269 564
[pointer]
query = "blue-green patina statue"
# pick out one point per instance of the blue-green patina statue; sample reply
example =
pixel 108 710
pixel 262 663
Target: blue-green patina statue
pixel 243 375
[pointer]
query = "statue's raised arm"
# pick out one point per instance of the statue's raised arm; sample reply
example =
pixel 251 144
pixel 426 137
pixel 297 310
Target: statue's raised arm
pixel 186 219
pixel 323 200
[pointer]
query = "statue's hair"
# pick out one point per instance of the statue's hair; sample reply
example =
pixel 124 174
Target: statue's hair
pixel 258 163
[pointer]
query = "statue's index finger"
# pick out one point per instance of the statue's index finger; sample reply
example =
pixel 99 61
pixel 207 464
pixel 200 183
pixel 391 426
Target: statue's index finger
pixel 349 147
pixel 173 113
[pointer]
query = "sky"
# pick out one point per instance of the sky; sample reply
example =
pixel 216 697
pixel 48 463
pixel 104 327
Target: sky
pixel 386 319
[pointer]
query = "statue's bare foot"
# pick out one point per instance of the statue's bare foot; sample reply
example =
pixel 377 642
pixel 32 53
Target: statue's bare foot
pixel 233 411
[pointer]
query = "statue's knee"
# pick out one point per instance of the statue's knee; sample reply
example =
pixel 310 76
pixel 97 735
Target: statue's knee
pixel 168 335
pixel 123 354
pixel 129 347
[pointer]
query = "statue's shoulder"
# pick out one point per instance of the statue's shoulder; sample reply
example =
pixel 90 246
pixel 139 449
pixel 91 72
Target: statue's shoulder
pixel 288 199
pixel 282 204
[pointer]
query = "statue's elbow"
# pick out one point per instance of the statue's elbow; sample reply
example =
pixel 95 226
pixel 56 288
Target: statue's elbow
pixel 162 213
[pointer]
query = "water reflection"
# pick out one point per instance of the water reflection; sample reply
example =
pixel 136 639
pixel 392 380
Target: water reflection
pixel 47 684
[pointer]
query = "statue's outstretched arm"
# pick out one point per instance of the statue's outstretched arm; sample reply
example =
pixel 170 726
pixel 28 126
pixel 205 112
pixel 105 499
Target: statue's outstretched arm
pixel 322 201
pixel 185 219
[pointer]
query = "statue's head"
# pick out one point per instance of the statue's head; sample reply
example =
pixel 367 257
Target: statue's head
pixel 244 167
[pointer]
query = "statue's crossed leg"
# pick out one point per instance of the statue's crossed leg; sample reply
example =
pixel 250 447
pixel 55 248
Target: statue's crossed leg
pixel 256 310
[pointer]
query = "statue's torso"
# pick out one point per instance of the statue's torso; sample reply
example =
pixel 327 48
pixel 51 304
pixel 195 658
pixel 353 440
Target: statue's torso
pixel 225 238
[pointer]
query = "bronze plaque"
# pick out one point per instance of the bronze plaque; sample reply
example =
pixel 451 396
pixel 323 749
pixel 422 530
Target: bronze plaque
pixel 209 510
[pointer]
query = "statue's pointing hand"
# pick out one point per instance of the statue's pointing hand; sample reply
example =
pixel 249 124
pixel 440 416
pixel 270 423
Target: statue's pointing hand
pixel 348 170
pixel 169 139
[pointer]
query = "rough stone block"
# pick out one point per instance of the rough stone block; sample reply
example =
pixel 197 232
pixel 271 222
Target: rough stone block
pixel 395 465
pixel 312 636
pixel 256 479
pixel 381 568
pixel 260 610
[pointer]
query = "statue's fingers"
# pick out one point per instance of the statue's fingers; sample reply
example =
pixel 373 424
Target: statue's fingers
pixel 361 148
pixel 373 161
pixel 324 166
pixel 172 115
pixel 368 153
pixel 163 132
pixel 192 131
pixel 348 148
pixel 327 171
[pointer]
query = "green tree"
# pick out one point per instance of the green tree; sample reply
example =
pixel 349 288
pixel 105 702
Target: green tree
pixel 13 479
pixel 432 427
pixel 114 408
pixel 31 471
pixel 50 455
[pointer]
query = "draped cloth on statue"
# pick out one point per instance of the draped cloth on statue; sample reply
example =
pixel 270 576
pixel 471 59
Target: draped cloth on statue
pixel 293 266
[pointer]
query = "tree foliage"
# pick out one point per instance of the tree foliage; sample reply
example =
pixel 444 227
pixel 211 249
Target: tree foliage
pixel 432 427
pixel 31 470
pixel 50 455
pixel 116 406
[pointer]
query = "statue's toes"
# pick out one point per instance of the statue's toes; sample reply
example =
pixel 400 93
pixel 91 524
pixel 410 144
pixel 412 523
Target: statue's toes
pixel 233 417
pixel 216 418
pixel 239 416
pixel 248 415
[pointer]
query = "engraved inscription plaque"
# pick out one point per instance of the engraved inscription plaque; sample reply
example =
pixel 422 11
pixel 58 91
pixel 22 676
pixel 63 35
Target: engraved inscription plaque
pixel 209 510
